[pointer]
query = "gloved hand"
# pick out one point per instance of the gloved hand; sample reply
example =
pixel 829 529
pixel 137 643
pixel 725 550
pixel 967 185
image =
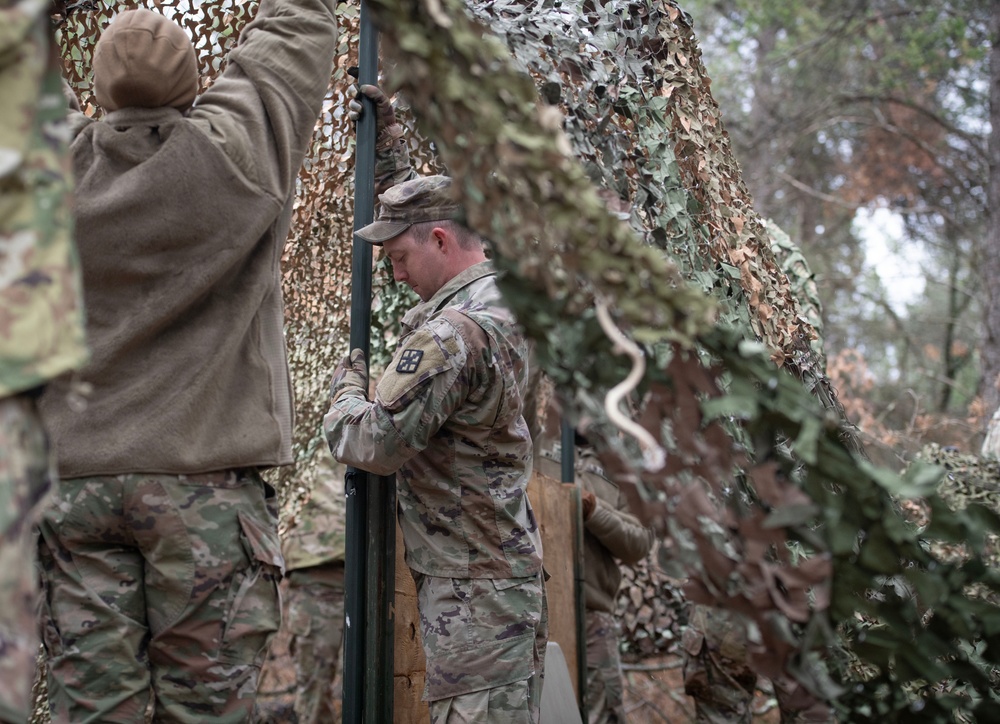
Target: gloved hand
pixel 351 375
pixel 589 502
pixel 385 114
pixel 392 156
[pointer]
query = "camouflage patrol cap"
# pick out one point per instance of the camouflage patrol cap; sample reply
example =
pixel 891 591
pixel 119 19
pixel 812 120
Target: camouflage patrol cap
pixel 427 198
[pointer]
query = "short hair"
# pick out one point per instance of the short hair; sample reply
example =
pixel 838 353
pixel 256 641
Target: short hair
pixel 466 237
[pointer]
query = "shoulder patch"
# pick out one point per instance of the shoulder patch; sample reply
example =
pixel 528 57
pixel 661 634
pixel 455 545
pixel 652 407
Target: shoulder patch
pixel 424 355
pixel 409 361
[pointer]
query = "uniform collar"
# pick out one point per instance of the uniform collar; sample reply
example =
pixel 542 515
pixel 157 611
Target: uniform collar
pixel 423 311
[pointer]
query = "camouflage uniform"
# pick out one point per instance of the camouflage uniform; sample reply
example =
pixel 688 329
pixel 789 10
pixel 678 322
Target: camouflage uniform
pixel 611 534
pixel 179 596
pixel 41 316
pixel 447 418
pixel 717 670
pixel 314 558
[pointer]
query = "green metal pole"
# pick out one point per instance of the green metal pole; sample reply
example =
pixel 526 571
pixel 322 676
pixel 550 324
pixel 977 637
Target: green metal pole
pixel 568 470
pixel 371 499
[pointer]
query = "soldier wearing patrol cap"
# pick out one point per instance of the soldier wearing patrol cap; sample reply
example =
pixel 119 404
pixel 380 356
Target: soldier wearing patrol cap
pixel 160 557
pixel 447 418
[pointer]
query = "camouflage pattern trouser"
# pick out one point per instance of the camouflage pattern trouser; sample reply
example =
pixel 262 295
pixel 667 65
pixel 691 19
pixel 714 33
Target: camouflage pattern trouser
pixel 162 586
pixel 484 640
pixel 718 676
pixel 25 474
pixel 605 696
pixel 316 622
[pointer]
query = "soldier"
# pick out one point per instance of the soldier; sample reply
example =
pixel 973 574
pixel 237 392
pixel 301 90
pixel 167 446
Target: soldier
pixel 41 314
pixel 611 534
pixel 447 418
pixel 160 555
pixel 314 557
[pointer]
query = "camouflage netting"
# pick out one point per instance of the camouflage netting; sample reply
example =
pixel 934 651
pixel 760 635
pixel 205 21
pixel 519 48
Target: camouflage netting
pixel 804 538
pixel 627 122
pixel 968 480
pixel 651 610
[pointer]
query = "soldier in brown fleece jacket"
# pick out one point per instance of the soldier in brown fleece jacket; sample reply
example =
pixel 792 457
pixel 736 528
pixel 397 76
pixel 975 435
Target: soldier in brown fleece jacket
pixel 611 534
pixel 160 553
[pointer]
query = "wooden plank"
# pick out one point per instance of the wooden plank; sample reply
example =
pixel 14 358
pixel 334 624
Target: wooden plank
pixel 552 504
pixel 410 666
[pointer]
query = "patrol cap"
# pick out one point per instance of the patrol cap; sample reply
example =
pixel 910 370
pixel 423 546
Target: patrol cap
pixel 144 60
pixel 427 198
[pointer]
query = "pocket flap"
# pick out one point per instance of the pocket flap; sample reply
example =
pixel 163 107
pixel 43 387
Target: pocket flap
pixel 263 540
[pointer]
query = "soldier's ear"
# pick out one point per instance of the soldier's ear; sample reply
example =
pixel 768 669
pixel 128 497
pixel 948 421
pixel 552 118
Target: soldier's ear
pixel 441 237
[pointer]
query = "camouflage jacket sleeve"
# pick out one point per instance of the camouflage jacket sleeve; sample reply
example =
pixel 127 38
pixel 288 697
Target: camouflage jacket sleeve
pixel 429 378
pixel 392 160
pixel 41 306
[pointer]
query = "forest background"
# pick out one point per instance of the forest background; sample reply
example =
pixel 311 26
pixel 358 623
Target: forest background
pixel 863 129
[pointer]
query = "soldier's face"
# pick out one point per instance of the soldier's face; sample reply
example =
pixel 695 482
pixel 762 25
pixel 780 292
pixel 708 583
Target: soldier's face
pixel 417 263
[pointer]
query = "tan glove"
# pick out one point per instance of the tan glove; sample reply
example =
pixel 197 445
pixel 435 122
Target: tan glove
pixel 351 376
pixel 392 156
pixel 385 114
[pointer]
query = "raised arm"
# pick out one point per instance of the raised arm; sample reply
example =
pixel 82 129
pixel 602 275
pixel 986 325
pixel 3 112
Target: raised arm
pixel 263 108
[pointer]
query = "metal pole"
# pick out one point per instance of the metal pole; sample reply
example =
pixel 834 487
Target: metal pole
pixel 356 486
pixel 371 499
pixel 568 446
pixel 568 465
pixel 380 596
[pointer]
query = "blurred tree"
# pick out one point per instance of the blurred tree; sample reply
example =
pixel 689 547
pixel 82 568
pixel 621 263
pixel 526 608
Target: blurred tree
pixel 838 107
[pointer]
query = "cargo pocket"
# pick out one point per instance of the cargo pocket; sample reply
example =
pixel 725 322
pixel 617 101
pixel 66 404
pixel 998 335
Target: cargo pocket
pixel 253 615
pixel 493 640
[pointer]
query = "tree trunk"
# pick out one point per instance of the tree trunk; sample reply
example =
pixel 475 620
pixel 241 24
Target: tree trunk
pixel 991 253
pixel 951 365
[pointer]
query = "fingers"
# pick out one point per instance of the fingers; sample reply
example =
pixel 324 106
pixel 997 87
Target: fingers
pixel 354 109
pixel 374 92
pixel 385 112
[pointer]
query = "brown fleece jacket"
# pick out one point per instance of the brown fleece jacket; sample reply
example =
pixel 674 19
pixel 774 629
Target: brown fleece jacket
pixel 181 221
pixel 611 533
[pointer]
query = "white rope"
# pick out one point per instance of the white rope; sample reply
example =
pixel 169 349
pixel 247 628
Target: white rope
pixel 654 456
